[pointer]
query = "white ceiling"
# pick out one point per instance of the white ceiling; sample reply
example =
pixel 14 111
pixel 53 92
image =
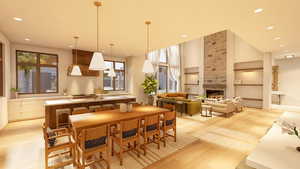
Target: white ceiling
pixel 53 23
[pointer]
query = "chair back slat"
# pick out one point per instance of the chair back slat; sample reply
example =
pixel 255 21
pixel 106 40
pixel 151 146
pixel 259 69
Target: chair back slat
pixel 170 115
pixel 95 133
pixel 130 124
pixel 81 111
pixel 150 120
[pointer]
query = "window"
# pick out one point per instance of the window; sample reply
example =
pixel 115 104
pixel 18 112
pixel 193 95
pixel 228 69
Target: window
pixel 168 64
pixel 116 83
pixel 37 72
pixel 1 72
pixel 163 79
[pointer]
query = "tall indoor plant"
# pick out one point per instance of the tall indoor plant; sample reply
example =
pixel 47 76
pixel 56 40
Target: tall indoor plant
pixel 150 85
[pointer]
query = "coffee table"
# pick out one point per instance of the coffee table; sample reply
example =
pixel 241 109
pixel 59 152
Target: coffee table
pixel 207 109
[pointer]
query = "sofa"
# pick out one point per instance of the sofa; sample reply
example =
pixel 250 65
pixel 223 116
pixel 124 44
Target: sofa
pixel 180 102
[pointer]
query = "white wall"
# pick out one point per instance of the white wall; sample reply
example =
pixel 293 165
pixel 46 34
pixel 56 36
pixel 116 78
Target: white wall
pixel 3 100
pixel 244 52
pixel 193 56
pixel 136 77
pixel 75 85
pixel 289 81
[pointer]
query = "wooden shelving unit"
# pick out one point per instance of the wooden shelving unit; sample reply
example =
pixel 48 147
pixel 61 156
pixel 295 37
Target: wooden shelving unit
pixel 191 83
pixel 250 88
pixel 248 84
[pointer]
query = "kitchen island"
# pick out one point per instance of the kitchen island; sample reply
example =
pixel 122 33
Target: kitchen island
pixel 52 105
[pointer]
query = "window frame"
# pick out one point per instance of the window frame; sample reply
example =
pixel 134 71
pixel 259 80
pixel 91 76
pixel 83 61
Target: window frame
pixel 114 78
pixel 38 66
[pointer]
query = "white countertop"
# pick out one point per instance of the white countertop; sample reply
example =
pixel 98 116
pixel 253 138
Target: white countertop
pixel 276 150
pixel 86 100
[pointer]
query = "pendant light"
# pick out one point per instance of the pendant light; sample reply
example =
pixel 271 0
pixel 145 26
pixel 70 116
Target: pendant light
pixel 147 67
pixel 111 72
pixel 75 68
pixel 97 62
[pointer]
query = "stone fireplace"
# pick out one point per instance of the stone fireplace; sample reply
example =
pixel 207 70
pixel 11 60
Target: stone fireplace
pixel 215 52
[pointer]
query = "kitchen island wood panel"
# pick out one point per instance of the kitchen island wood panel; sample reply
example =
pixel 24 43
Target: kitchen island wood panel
pixel 52 105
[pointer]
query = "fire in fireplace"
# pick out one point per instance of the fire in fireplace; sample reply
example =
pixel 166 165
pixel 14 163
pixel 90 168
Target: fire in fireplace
pixel 217 94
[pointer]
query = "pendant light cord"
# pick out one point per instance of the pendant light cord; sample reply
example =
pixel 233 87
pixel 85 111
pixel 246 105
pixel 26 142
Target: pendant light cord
pixel 148 38
pixel 76 42
pixel 97 28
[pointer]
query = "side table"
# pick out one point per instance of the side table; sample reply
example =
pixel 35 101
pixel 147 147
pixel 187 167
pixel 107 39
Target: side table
pixel 207 109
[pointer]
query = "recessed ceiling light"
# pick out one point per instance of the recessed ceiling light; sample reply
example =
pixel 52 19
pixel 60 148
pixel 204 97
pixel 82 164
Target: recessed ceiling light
pixel 184 36
pixel 270 27
pixel 258 10
pixel 18 19
pixel 289 56
pixel 277 38
pixel 281 46
pixel 27 39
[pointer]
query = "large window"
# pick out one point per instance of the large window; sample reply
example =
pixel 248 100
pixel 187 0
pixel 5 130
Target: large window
pixel 167 62
pixel 37 72
pixel 114 83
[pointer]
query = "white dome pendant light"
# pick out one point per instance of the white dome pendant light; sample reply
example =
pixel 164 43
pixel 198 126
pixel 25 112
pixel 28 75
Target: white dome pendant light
pixel 111 72
pixel 97 62
pixel 75 68
pixel 147 67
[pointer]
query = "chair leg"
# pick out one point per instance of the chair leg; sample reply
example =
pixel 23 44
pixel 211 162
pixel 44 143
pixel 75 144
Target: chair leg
pixel 112 147
pixel 136 146
pixel 158 141
pixel 175 135
pixel 46 159
pixel 144 145
pixel 108 158
pixel 164 138
pixel 121 154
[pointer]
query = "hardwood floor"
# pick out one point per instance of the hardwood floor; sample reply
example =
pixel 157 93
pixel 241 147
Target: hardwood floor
pixel 221 144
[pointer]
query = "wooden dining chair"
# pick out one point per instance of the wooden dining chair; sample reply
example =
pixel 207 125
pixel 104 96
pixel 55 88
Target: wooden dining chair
pixel 60 144
pixel 151 131
pixel 80 111
pixel 168 124
pixel 92 145
pixel 126 137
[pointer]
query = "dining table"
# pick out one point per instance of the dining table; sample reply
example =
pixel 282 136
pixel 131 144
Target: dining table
pixel 110 117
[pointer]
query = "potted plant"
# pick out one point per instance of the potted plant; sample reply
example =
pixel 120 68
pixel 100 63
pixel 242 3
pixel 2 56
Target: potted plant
pixel 150 85
pixel 15 92
pixel 201 98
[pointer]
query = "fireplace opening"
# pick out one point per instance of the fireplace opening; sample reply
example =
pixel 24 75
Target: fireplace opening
pixel 216 94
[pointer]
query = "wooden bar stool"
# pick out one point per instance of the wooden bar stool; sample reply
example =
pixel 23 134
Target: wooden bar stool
pixel 151 131
pixel 62 117
pixel 92 145
pixel 128 133
pixel 56 143
pixel 169 124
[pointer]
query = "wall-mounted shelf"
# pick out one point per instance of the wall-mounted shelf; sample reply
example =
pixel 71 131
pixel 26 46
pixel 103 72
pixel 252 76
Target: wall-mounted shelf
pixel 250 69
pixel 191 84
pixel 248 84
pixel 252 99
pixel 190 73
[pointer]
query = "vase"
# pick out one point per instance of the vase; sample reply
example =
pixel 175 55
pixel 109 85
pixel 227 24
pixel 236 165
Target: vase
pixel 16 95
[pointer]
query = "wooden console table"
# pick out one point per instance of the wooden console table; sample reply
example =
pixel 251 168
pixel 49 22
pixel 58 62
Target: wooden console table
pixel 52 105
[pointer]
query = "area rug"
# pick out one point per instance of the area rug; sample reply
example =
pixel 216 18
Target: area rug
pixel 131 161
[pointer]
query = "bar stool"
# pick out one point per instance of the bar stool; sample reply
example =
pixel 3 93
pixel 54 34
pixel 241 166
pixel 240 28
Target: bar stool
pixel 62 117
pixel 93 108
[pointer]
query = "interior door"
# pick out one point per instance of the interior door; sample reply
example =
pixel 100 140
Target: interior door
pixel 1 70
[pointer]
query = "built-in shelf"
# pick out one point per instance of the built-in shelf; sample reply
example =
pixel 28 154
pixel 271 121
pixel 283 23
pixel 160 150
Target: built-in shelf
pixel 190 73
pixel 190 84
pixel 248 84
pixel 252 99
pixel 249 69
